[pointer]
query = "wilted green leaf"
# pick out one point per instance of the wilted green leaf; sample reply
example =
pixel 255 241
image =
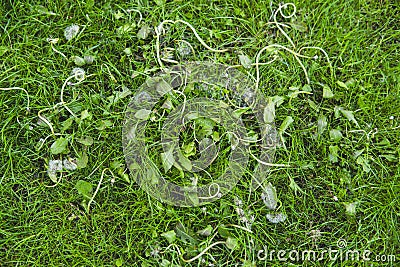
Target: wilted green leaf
pixel 126 177
pixel 357 153
pixel 118 15
pixel 269 112
pixel 206 231
pixel 193 196
pixel 143 32
pixel 313 105
pixel 278 100
pixel 293 92
pixel 162 87
pixel 223 231
pixel 128 51
pixel 245 61
pixel 118 95
pixel 342 84
pixel 231 243
pixel 103 124
pixel 333 153
pixel 59 146
pixel 248 263
pixel 87 141
pixel 349 115
pixel 184 162
pixel 165 263
pixel 384 142
pixel 85 114
pixel 78 61
pixel 364 163
pixel 192 115
pixel 326 92
pixel 170 236
pixel 350 82
pixel 321 124
pixel 300 26
pixel 53 176
pixel 88 59
pixel 142 114
pixel 389 157
pixel 336 111
pixel 238 112
pixel 215 136
pixel 128 27
pixel 335 135
pixel 122 94
pixel 43 10
pixel 151 177
pixel 160 2
pixel 208 123
pixel 167 159
pixel 190 149
pixel 66 124
pixel 116 165
pixel 167 104
pixel 84 188
pixel 285 124
pixel 82 161
pixel 270 197
pixel 306 88
pixel 252 137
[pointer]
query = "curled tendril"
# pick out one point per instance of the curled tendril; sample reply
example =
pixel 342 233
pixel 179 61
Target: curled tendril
pixel 79 76
pixel 160 30
pixel 280 10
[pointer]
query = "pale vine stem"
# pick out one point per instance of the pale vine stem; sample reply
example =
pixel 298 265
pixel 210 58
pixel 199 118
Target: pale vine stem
pixel 79 77
pixel 160 28
pixel 198 255
pixel 54 41
pixel 207 248
pixel 239 227
pixel 286 17
pixel 209 192
pixel 98 187
pixel 297 55
pixel 204 251
pixel 137 11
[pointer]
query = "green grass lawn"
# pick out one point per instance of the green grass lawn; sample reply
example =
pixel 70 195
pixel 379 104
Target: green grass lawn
pixel 340 153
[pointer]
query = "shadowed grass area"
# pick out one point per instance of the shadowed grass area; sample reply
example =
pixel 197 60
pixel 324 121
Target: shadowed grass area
pixel 46 225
